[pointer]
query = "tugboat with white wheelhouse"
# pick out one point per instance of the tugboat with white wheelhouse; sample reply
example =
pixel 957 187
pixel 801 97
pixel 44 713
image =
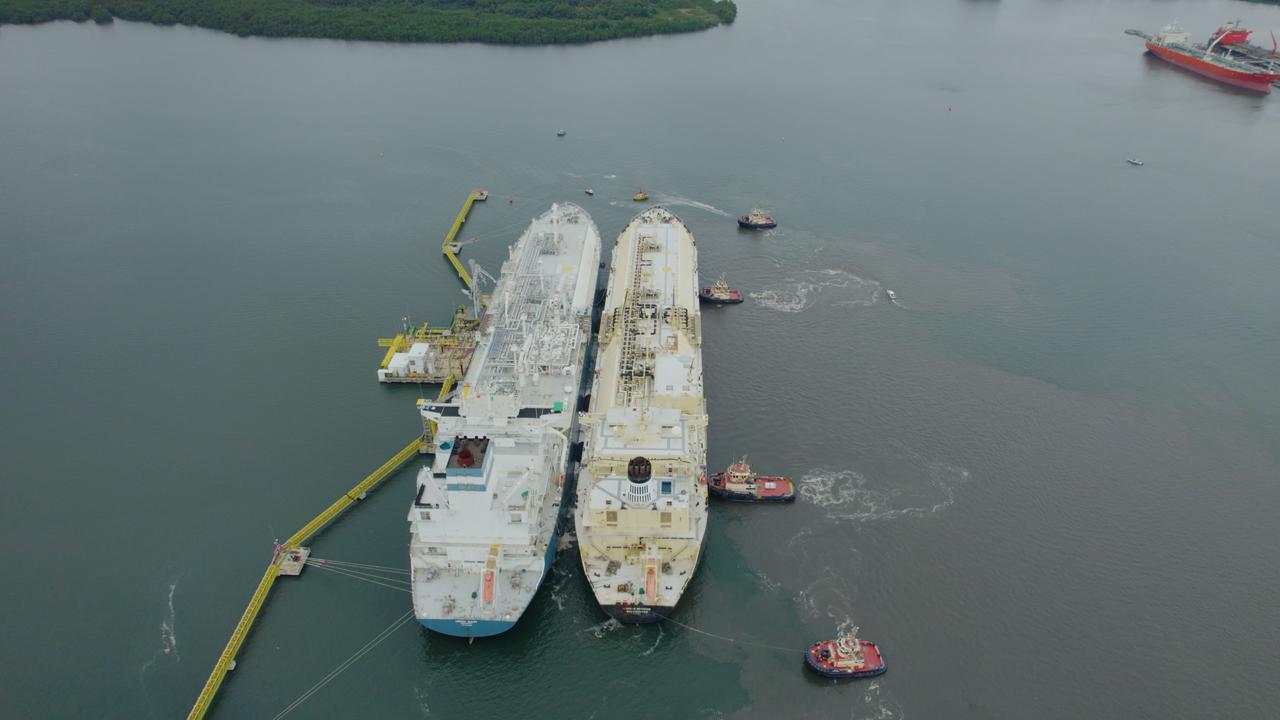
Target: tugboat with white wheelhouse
pixel 740 484
pixel 845 657
pixel 719 293
pixel 757 220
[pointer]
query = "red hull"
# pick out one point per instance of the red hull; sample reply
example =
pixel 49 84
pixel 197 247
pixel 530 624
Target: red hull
pixel 875 664
pixel 782 490
pixel 734 296
pixel 1257 82
pixel 1230 36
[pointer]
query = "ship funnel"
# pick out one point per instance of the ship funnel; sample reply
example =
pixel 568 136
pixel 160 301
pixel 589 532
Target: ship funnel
pixel 639 470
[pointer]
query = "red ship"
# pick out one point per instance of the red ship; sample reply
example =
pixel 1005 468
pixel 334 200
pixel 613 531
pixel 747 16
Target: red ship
pixel 1230 34
pixel 846 657
pixel 741 484
pixel 1175 46
pixel 720 293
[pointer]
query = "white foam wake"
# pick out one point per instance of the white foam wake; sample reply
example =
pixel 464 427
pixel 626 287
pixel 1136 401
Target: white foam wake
pixel 850 495
pixel 681 201
pixel 657 641
pixel 168 646
pixel 602 629
pixel 800 292
pixel 877 705
pixel 168 632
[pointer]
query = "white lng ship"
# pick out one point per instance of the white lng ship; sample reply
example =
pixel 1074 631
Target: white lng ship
pixel 642 495
pixel 483 522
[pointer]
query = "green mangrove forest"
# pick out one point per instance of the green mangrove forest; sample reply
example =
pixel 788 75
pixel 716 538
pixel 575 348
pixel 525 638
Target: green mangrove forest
pixel 517 22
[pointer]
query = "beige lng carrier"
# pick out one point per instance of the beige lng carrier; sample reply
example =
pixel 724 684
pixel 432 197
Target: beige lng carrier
pixel 641 511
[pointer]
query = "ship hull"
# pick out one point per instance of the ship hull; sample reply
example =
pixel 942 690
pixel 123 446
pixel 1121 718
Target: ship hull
pixel 448 572
pixel 827 672
pixel 732 496
pixel 1255 82
pixel 876 664
pixel 641 533
pixel 638 614
pixel 473 628
pixel 713 300
pixel 467 628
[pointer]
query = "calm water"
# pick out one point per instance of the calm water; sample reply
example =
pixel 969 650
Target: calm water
pixel 1046 482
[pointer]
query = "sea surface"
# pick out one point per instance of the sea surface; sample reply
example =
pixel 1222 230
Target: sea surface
pixel 1046 480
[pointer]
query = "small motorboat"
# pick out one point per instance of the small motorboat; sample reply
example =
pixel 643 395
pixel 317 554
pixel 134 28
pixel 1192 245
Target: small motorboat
pixel 561 133
pixel 1134 161
pixel 740 484
pixel 845 657
pixel 719 293
pixel 757 220
pixel 640 196
pixel 893 296
pixel 589 191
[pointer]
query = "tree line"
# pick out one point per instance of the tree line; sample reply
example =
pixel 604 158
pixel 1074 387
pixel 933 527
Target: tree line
pixel 519 22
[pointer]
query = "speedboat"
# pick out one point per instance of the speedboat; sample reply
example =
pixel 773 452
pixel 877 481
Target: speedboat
pixel 561 133
pixel 1134 161
pixel 893 296
pixel 589 191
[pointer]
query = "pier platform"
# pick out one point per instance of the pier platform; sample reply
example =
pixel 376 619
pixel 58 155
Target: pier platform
pixel 427 354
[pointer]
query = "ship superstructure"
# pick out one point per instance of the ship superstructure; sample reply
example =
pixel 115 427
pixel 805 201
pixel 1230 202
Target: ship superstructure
pixel 484 517
pixel 641 513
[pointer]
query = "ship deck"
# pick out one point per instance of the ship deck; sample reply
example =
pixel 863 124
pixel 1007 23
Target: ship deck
pixel 640 542
pixel 483 520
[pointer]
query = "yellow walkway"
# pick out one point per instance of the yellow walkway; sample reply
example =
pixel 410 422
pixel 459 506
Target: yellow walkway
pixel 453 234
pixel 227 659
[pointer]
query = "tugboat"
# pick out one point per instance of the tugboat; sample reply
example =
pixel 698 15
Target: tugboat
pixel 640 196
pixel 739 483
pixel 845 657
pixel 893 296
pixel 757 220
pixel 719 293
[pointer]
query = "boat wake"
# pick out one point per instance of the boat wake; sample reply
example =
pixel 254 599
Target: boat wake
pixel 601 630
pixel 656 641
pixel 876 704
pixel 832 586
pixel 800 292
pixel 765 582
pixel 168 633
pixel 420 696
pixel 850 495
pixel 168 649
pixel 681 201
pixel 557 596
